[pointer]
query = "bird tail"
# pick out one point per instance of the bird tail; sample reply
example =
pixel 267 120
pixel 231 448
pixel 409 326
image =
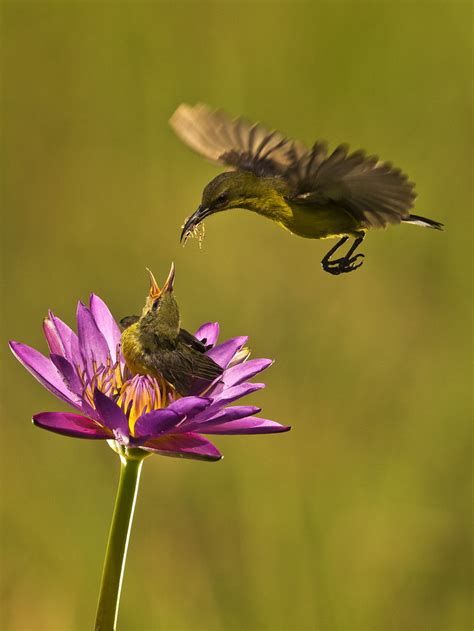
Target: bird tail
pixel 423 221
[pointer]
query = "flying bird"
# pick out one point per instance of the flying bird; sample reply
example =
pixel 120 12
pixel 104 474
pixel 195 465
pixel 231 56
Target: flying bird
pixel 309 192
pixel 155 344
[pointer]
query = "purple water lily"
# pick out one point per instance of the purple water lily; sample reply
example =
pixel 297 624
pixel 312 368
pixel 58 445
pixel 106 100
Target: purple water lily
pixel 86 370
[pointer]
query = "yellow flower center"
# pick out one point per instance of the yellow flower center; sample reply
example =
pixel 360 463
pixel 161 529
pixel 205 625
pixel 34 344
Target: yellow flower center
pixel 140 395
pixel 136 395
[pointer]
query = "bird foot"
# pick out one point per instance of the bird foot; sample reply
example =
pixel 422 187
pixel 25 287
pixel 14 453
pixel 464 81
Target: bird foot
pixel 342 265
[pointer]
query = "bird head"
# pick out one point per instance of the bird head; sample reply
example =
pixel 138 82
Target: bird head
pixel 233 189
pixel 160 314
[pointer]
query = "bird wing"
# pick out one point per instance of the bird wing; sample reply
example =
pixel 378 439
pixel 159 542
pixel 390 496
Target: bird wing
pixel 374 192
pixel 235 143
pixel 189 340
pixel 183 366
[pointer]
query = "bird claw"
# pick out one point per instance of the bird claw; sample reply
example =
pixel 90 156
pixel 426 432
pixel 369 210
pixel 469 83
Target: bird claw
pixel 342 265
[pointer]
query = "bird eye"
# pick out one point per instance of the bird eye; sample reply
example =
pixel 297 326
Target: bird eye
pixel 222 198
pixel 155 304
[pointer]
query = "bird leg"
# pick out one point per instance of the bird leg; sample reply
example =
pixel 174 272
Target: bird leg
pixel 347 262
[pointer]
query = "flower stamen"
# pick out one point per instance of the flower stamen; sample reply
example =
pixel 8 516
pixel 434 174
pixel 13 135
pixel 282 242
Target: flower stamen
pixel 138 396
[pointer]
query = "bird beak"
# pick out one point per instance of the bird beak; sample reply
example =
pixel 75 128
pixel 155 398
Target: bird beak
pixel 155 291
pixel 191 222
pixel 169 282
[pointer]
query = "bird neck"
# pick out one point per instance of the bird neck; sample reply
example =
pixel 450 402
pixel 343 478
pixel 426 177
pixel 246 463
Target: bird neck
pixel 158 330
pixel 162 325
pixel 269 199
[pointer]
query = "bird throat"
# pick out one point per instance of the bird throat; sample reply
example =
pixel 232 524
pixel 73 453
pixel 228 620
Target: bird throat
pixel 271 205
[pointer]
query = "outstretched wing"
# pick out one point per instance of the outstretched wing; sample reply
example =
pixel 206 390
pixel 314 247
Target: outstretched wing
pixel 374 192
pixel 235 143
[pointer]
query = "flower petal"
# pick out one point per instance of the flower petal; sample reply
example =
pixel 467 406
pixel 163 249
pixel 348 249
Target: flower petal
pixel 187 406
pixel 208 333
pixel 230 414
pixel 111 415
pixel 94 348
pixel 53 338
pixel 59 334
pixel 206 419
pixel 223 353
pixel 71 425
pixel 155 422
pixel 69 375
pixel 43 369
pixel 244 372
pixel 74 384
pixel 191 446
pixel 106 324
pixel 248 425
pixel 235 392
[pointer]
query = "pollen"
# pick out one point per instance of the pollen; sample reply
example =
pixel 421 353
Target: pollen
pixel 197 232
pixel 200 232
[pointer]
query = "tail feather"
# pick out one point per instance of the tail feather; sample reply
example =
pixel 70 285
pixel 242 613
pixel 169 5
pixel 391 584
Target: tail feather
pixel 423 221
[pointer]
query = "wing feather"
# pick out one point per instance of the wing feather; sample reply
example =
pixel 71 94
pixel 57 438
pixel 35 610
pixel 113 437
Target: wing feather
pixel 183 366
pixel 375 192
pixel 235 143
pixel 186 369
pixel 188 339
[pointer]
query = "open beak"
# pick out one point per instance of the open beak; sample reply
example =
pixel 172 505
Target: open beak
pixel 155 291
pixel 169 282
pixel 193 221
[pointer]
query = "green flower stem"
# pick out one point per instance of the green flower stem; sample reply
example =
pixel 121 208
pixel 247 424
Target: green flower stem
pixel 116 554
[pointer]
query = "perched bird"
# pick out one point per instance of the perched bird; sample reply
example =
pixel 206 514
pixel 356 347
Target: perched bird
pixel 309 192
pixel 154 344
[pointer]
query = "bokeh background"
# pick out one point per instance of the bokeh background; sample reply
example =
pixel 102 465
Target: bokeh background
pixel 358 519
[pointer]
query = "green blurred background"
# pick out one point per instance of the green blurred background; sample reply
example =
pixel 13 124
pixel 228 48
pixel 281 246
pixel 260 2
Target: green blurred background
pixel 358 519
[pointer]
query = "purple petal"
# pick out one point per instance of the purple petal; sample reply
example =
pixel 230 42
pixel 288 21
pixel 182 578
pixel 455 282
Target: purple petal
pixel 205 420
pixel 58 334
pixel 155 422
pixel 244 372
pixel 71 425
pixel 106 324
pixel 92 343
pixel 230 414
pixel 208 333
pixel 223 353
pixel 111 415
pixel 44 371
pixel 249 425
pixel 69 375
pixel 191 446
pixel 53 338
pixel 235 392
pixel 75 385
pixel 189 406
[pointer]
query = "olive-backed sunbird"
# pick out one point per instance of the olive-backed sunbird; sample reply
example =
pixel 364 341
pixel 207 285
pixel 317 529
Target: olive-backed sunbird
pixel 310 192
pixel 154 344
